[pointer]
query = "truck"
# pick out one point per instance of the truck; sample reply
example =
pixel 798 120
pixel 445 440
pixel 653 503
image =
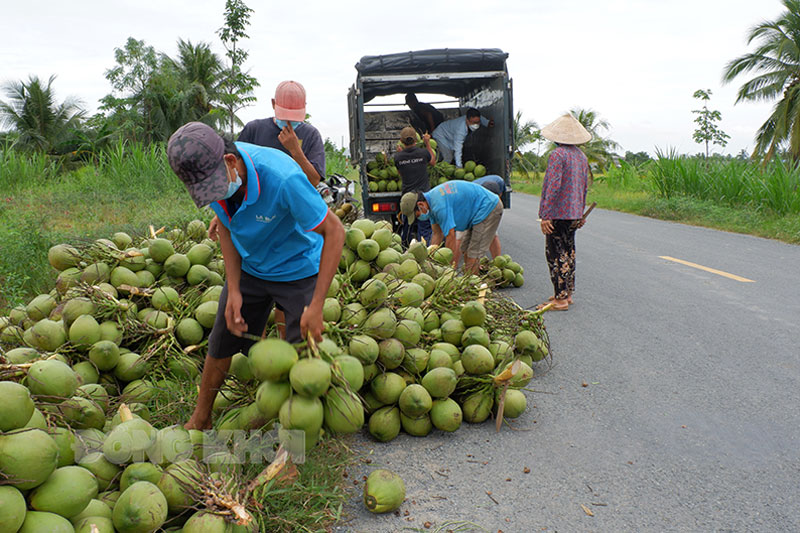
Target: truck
pixel 464 78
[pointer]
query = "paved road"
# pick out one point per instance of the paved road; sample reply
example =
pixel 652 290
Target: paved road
pixel 691 417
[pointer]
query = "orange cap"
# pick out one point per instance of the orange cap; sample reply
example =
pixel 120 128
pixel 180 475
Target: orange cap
pixel 290 101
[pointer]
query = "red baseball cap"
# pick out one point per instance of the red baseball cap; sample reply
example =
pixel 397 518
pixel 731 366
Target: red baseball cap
pixel 290 101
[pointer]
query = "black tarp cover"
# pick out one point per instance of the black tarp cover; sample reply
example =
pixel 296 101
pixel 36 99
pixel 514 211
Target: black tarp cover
pixel 442 60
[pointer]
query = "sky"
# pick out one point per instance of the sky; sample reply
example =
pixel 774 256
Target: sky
pixel 636 63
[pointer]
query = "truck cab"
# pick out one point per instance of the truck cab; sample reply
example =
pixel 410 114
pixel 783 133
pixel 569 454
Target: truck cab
pixel 456 79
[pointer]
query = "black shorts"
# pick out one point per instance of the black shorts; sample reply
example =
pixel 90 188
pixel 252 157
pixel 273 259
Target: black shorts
pixel 258 297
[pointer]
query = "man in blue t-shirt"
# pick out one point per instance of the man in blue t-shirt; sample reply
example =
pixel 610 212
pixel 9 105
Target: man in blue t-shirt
pixel 280 244
pixel 288 132
pixel 458 206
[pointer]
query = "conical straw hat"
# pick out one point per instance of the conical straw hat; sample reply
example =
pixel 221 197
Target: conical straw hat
pixel 566 130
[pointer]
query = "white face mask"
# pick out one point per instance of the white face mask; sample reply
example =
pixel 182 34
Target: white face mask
pixel 474 127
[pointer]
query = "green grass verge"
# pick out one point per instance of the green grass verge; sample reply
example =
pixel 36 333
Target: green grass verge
pixel 687 210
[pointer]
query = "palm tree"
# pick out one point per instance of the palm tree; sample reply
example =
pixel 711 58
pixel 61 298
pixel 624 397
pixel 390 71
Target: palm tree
pixel 777 59
pixel 599 150
pixel 39 121
pixel 525 133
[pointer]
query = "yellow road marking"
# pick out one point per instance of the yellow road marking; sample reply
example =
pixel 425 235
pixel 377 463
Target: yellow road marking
pixel 707 269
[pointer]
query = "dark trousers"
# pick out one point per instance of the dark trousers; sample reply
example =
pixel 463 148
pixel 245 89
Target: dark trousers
pixel 258 297
pixel 419 229
pixel 559 250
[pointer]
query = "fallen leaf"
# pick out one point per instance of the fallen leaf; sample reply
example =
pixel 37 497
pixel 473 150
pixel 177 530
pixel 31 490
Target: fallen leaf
pixel 587 510
pixel 508 479
pixel 526 470
pixel 427 525
pixel 584 384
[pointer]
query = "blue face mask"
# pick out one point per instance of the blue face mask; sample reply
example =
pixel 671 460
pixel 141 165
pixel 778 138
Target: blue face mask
pixel 424 216
pixel 233 186
pixel 282 123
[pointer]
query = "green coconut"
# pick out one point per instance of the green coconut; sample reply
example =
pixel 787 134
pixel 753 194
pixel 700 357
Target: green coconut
pixel 417 427
pixel 381 323
pixel 48 335
pixel 475 335
pixel 205 522
pixel 196 230
pixel 364 348
pixel 368 249
pixel 354 314
pixel 387 387
pixel 415 360
pixel 82 413
pixel 383 237
pixel 27 457
pixel 66 445
pixel 94 524
pixel 370 371
pixel 52 380
pixel 384 491
pixel 384 424
pixel 514 405
pixel 240 368
pixel 440 382
pixel 270 396
pixel 206 313
pixel 84 331
pixel 130 367
pixel 95 509
pixel 365 225
pixel 310 377
pixel 189 332
pixel 110 331
pixel 331 310
pixel 200 254
pixel 439 359
pixel 38 522
pixel 302 413
pixel 477 359
pixel 16 405
pixel 160 250
pixel 104 354
pixel 129 441
pixel 352 237
pixel 373 293
pixel 211 294
pixel 391 353
pixel 177 265
pixel 36 421
pixel 165 299
pixel 443 255
pixel 477 407
pixel 523 376
pixel 272 359
pixel 22 355
pixel 198 275
pixel 121 276
pixel 105 472
pixel 452 331
pixel 348 258
pixel 172 482
pixel 67 279
pixel 387 257
pixel 138 391
pixel 142 508
pixel 139 472
pixel 359 271
pixel 66 492
pixel 347 370
pixel 75 308
pixel 98 273
pixel 94 392
pixel 473 314
pixel 415 401
pixel 173 444
pixel 12 335
pixel 343 412
pixel 12 508
pixel 40 307
pixel 408 332
pixel 446 414
pixel 63 256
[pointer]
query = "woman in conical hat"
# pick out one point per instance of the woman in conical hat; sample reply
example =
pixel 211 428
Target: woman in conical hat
pixel 562 203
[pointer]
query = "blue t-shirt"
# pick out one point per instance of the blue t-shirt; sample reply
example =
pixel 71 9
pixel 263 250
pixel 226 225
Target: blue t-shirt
pixel 459 205
pixel 272 229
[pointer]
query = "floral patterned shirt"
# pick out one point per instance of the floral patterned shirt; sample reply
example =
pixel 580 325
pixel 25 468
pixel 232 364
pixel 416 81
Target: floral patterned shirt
pixel 564 185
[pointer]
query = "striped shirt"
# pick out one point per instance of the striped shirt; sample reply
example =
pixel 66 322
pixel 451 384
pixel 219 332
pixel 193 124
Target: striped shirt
pixel 564 184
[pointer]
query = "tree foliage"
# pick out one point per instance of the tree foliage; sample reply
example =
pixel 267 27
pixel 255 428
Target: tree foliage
pixel 707 130
pixel 776 63
pixel 236 87
pixel 38 121
pixel 599 150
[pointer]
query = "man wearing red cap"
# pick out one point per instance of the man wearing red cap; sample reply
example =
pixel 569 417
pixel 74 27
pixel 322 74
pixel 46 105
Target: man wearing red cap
pixel 287 132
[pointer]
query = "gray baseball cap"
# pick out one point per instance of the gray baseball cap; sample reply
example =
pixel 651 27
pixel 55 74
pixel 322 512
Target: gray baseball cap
pixel 408 204
pixel 195 154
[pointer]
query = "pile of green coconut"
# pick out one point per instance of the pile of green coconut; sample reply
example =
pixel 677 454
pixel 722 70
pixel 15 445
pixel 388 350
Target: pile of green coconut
pixel 88 371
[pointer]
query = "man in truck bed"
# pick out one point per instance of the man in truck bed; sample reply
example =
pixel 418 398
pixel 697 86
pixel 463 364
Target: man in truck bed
pixel 450 134
pixel 412 163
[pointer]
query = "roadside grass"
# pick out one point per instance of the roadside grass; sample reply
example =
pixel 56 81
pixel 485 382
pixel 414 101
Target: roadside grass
pixel 638 198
